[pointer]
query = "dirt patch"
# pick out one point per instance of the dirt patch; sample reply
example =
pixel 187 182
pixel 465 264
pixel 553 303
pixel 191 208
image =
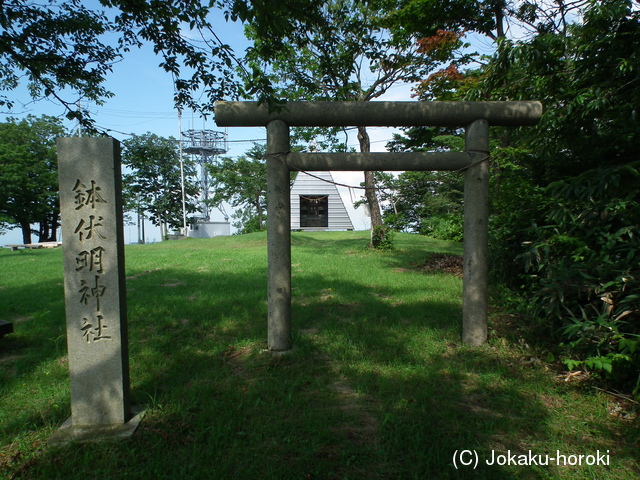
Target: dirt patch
pixel 172 283
pixel 10 358
pixel 21 319
pixel 437 263
pixel 308 331
pixel 146 272
pixel 326 294
pixel 441 263
pixel 236 359
pixel 362 426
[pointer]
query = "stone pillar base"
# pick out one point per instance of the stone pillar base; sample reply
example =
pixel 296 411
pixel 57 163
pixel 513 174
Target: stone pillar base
pixel 68 433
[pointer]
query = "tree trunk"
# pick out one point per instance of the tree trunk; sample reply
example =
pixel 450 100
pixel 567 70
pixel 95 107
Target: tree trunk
pixel 259 210
pixel 499 13
pixel 54 228
pixel 26 232
pixel 55 221
pixel 47 227
pixel 43 230
pixel 369 185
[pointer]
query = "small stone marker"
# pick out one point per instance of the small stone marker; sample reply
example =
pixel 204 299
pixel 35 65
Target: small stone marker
pixel 95 295
pixel 5 328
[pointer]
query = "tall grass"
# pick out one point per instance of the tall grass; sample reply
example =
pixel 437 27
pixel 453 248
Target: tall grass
pixel 378 385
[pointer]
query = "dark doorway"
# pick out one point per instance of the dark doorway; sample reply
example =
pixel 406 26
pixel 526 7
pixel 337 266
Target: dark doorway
pixel 314 211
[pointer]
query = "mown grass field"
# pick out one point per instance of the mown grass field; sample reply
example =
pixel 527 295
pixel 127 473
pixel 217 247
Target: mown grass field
pixel 378 386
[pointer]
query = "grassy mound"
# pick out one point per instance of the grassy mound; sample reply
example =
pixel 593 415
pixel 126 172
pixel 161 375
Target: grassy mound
pixel 378 385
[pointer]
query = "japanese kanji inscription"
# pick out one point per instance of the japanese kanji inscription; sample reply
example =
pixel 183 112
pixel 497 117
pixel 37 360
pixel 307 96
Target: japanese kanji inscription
pixel 93 245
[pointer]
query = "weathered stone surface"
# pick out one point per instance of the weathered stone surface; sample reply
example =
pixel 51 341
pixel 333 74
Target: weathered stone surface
pixel 278 238
pixel 378 114
pixel 5 328
pixel 387 161
pixel 475 283
pixel 69 433
pixel 95 299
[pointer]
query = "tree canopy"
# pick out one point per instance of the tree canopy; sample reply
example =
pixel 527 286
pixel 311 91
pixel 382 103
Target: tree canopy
pixel 153 183
pixel 28 175
pixel 242 183
pixel 349 55
pixel 65 50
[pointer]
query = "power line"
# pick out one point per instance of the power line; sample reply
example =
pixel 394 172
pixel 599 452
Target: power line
pixel 247 141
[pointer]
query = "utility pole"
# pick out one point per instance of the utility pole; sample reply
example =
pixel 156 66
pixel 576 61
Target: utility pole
pixel 184 210
pixel 79 103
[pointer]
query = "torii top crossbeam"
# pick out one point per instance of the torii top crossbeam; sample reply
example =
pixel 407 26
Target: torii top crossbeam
pixel 378 114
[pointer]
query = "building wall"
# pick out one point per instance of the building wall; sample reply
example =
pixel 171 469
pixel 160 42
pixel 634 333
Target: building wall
pixel 307 185
pixel 210 229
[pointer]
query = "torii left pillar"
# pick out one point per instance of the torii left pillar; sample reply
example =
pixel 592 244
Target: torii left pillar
pixel 278 237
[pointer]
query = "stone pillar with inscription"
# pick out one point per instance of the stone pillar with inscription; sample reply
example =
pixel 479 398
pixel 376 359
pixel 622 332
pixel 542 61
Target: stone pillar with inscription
pixel 95 295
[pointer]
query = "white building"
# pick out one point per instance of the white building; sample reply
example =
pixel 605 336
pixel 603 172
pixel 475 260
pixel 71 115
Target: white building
pixel 316 203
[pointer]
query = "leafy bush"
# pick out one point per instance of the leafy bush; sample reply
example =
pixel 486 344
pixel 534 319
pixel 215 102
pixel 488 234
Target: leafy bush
pixel 247 222
pixel 517 204
pixel 448 226
pixel 382 238
pixel 583 266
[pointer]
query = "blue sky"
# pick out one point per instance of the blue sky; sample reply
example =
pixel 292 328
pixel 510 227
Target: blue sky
pixel 143 102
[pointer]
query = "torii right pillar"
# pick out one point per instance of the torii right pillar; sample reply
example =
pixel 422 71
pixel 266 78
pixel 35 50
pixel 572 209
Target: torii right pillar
pixel 475 282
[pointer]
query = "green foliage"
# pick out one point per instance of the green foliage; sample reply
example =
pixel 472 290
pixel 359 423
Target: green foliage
pixel 428 16
pixel 65 50
pixel 586 79
pixel 247 221
pixel 382 238
pixel 583 266
pixel 242 182
pixel 429 203
pixel 153 183
pixel 28 174
pixel 52 45
pixel 443 227
pixel 516 203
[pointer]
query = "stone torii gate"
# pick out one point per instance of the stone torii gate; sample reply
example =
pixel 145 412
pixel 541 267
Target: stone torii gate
pixel 476 117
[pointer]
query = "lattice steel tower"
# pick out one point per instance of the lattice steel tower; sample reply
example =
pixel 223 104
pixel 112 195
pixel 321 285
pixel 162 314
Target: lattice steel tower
pixel 204 146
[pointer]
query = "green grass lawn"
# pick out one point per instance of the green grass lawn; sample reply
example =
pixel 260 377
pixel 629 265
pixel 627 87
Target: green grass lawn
pixel 378 385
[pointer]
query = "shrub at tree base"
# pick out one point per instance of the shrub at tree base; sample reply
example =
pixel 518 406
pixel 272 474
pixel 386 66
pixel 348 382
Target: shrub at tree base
pixel 382 238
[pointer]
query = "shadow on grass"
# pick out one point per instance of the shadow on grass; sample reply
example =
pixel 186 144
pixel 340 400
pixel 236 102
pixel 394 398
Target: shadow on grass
pixel 32 298
pixel 376 388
